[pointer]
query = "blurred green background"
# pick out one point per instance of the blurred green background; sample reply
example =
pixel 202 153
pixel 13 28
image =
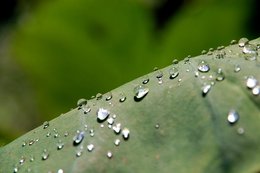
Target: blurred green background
pixel 54 52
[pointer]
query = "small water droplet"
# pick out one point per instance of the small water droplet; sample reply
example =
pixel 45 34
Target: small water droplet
pixel 110 120
pixel 146 80
pixel 102 114
pixel 205 90
pixel 117 128
pixel 78 138
pixel 22 160
pixel 250 52
pixel 45 154
pixel 125 133
pixel 233 116
pixel 117 142
pixel 31 159
pixel 81 102
pixel 220 47
pixel 173 72
pixel 86 109
pixel 66 134
pixel 46 125
pixel 232 42
pixel 237 68
pixel 48 134
pixel 60 145
pixel 99 96
pixel 109 96
pixel 175 61
pixel 79 153
pixel 16 169
pixel 122 97
pixel 203 67
pixel 256 90
pixel 203 52
pixel 140 92
pixel 60 171
pixel 90 147
pixel 31 142
pixel 109 154
pixel 23 143
pixel 196 74
pixel 157 126
pixel 91 132
pixel 56 135
pixel 220 75
pixel 242 42
pixel 240 131
pixel 251 82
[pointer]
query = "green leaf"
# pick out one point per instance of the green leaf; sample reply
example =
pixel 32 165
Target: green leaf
pixel 173 125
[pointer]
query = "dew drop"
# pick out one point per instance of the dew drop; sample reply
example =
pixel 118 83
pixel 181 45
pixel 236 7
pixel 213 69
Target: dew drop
pixel 86 109
pixel 60 171
pixel 45 154
pixel 66 134
pixel 140 92
pixel 173 72
pixel 79 153
pixel 90 147
pixel 203 67
pixel 99 96
pixel 242 42
pixel 146 80
pixel 250 52
pixel 117 142
pixel 31 142
pixel 240 131
pixel 122 97
pixel 175 61
pixel 81 102
pixel 60 145
pixel 251 82
pixel 31 159
pixel 91 132
pixel 237 68
pixel 24 144
pixel 48 134
pixel 102 114
pixel 125 133
pixel 220 75
pixel 157 126
pixel 233 116
pixel 232 42
pixel 117 128
pixel 220 47
pixel 46 125
pixel 110 120
pixel 203 52
pixel 109 96
pixel 109 154
pixel 78 138
pixel 205 90
pixel 16 169
pixel 22 160
pixel 196 74
pixel 256 90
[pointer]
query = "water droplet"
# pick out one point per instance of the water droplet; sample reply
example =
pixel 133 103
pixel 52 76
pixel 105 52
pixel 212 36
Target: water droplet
pixel 157 126
pixel 203 52
pixel 122 98
pixel 220 47
pixel 60 171
pixel 102 114
pixel 90 147
pixel 22 160
pixel 205 90
pixel 66 134
pixel 60 145
pixel 45 154
pixel 86 109
pixel 251 82
pixel 91 132
pixel 240 131
pixel 56 135
pixel 99 96
pixel 203 67
pixel 242 42
pixel 256 90
pixel 232 42
pixel 110 120
pixel 173 72
pixel 109 154
pixel 109 96
pixel 233 116
pixel 237 68
pixel 196 73
pixel 79 153
pixel 78 138
pixel 48 134
pixel 117 128
pixel 46 125
pixel 146 80
pixel 24 144
pixel 117 142
pixel 31 142
pixel 250 52
pixel 175 61
pixel 16 169
pixel 220 75
pixel 125 133
pixel 81 102
pixel 31 159
pixel 140 92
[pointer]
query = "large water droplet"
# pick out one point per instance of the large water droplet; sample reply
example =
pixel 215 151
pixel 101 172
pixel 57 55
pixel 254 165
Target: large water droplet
pixel 250 52
pixel 117 142
pixel 220 75
pixel 109 154
pixel 251 82
pixel 233 116
pixel 102 114
pixel 46 125
pixel 242 42
pixel 256 90
pixel 45 154
pixel 125 133
pixel 203 67
pixel 173 72
pixel 205 90
pixel 140 92
pixel 81 102
pixel 90 147
pixel 78 138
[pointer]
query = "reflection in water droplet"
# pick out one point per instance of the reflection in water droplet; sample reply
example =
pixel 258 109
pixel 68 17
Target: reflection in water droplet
pixel 102 114
pixel 117 142
pixel 109 96
pixel 237 68
pixel 81 102
pixel 117 128
pixel 233 116
pixel 220 75
pixel 251 82
pixel 45 154
pixel 173 72
pixel 125 133
pixel 109 154
pixel 240 131
pixel 140 92
pixel 205 90
pixel 242 42
pixel 203 67
pixel 250 52
pixel 60 145
pixel 90 147
pixel 78 138
pixel 256 90
pixel 122 98
pixel 46 125
pixel 60 171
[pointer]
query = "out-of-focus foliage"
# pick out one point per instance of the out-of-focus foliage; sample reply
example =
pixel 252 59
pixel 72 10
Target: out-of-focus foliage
pixel 72 49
